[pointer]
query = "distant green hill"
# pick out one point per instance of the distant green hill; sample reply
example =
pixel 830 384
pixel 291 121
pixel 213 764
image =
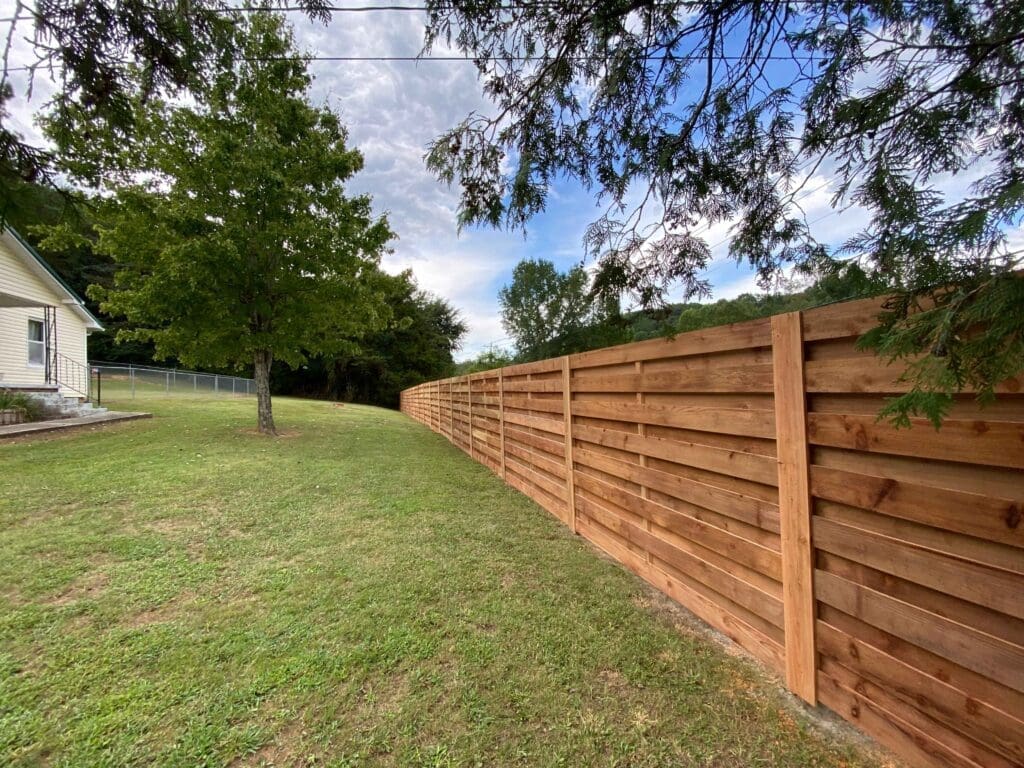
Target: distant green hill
pixel 848 281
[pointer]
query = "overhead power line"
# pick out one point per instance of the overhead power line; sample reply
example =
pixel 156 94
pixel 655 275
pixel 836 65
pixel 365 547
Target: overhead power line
pixel 476 59
pixel 512 6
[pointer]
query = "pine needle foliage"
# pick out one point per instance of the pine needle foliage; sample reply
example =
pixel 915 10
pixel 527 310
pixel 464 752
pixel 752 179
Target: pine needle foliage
pixel 681 113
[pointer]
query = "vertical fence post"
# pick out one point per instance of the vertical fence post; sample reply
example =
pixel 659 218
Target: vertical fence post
pixel 469 400
pixel 167 382
pixel 794 505
pixel 451 413
pixel 216 384
pixel 131 376
pixel 501 418
pixel 641 429
pixel 570 480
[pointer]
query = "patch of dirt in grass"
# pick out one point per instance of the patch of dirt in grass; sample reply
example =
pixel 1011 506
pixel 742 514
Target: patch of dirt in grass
pixel 172 525
pixel 669 656
pixel 252 431
pixel 386 696
pixel 642 601
pixel 162 613
pixel 740 686
pixel 88 585
pixel 46 514
pixel 284 750
pixel 614 680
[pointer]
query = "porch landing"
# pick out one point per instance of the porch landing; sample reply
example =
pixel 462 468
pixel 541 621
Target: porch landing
pixel 31 428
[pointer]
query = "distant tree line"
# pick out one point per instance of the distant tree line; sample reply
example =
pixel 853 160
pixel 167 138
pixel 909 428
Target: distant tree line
pixel 547 313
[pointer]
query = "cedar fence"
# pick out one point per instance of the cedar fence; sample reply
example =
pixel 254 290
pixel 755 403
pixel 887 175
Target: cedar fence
pixel 742 471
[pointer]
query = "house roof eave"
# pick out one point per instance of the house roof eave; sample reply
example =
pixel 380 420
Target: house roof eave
pixel 45 271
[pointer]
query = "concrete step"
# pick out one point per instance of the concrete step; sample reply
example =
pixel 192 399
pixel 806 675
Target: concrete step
pixel 67 407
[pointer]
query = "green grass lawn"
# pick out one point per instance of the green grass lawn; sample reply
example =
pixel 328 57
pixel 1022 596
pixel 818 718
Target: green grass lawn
pixel 181 591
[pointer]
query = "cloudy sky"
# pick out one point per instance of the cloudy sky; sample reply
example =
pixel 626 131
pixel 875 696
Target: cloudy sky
pixel 393 109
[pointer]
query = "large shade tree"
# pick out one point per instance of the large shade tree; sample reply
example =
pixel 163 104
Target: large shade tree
pixel 235 242
pixel 417 345
pixel 541 305
pixel 551 313
pixel 683 113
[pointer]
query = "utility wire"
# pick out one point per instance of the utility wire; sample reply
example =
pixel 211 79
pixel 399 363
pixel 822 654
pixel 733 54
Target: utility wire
pixel 477 59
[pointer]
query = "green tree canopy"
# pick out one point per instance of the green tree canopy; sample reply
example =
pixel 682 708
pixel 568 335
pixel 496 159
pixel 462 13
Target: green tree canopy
pixel 236 242
pixel 551 313
pixel 542 304
pixel 684 112
pixel 417 346
pixel 487 360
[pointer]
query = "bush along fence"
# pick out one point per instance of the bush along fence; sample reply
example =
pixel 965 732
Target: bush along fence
pixel 742 470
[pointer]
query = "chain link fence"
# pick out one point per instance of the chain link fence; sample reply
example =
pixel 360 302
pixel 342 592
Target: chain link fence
pixel 126 380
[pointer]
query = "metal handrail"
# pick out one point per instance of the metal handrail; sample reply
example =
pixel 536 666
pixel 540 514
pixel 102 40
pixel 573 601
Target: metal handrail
pixel 70 374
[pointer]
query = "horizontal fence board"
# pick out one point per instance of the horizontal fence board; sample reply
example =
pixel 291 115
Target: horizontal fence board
pixel 727 544
pixel 995 443
pixel 998 625
pixel 664 454
pixel 767 606
pixel 750 466
pixel 750 510
pixel 867 373
pixel 755 333
pixel 917 688
pixel 729 422
pixel 965 547
pixel 992 518
pixel 935 744
pixel 752 378
pixel 983 653
pixel 990 587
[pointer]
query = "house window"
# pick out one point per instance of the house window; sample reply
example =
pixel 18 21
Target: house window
pixel 36 342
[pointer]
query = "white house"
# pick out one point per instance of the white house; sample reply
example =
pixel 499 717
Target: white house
pixel 43 324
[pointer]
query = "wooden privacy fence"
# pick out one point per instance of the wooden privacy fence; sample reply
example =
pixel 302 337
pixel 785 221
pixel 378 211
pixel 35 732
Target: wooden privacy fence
pixel 742 471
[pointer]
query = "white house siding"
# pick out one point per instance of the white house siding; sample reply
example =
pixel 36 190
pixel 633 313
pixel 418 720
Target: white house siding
pixel 17 279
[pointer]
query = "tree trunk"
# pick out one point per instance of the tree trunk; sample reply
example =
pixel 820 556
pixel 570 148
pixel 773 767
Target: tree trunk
pixel 265 414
